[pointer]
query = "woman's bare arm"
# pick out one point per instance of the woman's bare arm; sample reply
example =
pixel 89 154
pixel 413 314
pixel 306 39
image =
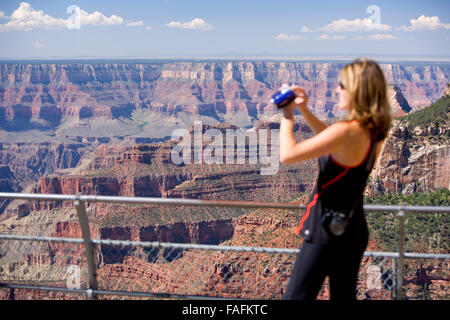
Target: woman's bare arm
pixel 329 140
pixel 326 140
pixel 313 122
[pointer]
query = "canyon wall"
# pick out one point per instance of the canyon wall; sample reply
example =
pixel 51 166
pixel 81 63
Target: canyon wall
pixel 412 160
pixel 68 96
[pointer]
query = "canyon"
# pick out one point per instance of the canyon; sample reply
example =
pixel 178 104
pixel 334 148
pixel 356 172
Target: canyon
pixel 105 129
pixel 150 100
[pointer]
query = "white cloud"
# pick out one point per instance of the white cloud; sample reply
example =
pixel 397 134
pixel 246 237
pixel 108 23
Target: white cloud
pixel 196 24
pixel 425 23
pixel 26 18
pixel 99 19
pixel 139 23
pixel 286 37
pixel 39 44
pixel 148 28
pixel 380 36
pixel 2 15
pixel 328 37
pixel 357 25
pixel 306 30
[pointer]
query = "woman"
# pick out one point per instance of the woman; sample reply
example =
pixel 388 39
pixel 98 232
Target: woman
pixel 346 152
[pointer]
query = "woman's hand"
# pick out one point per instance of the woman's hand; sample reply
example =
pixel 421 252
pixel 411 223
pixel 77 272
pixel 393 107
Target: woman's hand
pixel 301 101
pixel 288 110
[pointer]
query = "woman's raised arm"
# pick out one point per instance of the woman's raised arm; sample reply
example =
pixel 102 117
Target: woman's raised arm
pixel 301 103
pixel 329 140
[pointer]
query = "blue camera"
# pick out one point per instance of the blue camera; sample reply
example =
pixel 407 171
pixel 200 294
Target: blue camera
pixel 283 97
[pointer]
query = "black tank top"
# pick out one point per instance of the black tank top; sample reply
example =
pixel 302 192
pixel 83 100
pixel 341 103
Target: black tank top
pixel 339 188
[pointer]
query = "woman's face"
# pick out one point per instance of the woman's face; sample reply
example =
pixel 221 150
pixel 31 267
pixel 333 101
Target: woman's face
pixel 344 97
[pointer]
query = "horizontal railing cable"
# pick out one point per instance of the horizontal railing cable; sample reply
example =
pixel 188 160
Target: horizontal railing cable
pixel 90 292
pixel 209 203
pixel 192 246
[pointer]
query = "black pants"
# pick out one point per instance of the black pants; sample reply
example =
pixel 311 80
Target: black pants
pixel 339 261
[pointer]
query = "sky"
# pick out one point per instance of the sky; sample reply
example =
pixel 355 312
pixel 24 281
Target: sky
pixel 103 29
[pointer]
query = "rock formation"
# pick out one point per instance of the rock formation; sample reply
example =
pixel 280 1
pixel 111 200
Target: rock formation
pixel 413 159
pixel 87 99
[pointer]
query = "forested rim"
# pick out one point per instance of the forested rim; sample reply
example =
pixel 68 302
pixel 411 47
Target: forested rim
pixel 425 232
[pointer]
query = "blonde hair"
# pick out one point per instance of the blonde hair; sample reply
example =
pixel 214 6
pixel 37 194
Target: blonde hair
pixel 369 104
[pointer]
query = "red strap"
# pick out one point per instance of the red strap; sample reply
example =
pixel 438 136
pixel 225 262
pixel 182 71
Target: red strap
pixel 316 197
pixel 310 205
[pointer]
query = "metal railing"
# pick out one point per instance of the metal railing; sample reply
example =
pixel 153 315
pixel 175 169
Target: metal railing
pixel 92 291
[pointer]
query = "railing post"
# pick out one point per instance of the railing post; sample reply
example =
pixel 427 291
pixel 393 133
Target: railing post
pixel 401 253
pixel 88 246
pixel 394 280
